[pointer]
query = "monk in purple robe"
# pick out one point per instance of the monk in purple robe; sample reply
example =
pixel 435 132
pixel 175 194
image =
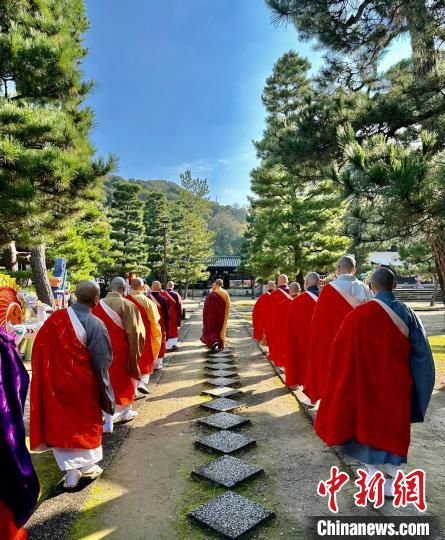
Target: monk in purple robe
pixel 19 487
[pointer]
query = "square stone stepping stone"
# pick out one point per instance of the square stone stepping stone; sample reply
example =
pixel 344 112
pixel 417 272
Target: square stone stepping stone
pixel 231 515
pixel 221 355
pixel 225 442
pixel 221 373
pixel 222 404
pixel 217 366
pixel 221 381
pixel 227 471
pixel 224 420
pixel 210 360
pixel 222 391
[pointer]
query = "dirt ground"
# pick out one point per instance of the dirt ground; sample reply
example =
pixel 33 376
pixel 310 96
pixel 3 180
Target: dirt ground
pixel 147 490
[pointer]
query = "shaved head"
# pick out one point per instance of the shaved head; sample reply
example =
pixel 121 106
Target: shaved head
pixel 270 285
pixel 346 265
pixel 383 279
pixel 87 291
pixel 294 288
pixel 311 280
pixel 219 282
pixel 137 284
pixel 118 284
pixel 170 285
pixel 156 286
pixel 283 279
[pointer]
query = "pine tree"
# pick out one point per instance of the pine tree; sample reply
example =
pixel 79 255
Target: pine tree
pixel 127 222
pixel 47 170
pixel 294 223
pixel 86 245
pixel 190 240
pixel 155 210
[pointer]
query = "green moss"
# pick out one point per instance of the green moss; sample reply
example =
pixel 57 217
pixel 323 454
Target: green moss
pixel 48 473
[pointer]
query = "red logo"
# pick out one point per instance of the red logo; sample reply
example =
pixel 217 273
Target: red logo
pixel 331 487
pixel 371 488
pixel 410 489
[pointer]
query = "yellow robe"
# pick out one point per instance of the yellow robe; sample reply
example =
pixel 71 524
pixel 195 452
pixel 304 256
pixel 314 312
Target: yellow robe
pixel 153 316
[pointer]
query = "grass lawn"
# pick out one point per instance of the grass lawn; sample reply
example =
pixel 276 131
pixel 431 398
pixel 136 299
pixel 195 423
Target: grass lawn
pixel 438 346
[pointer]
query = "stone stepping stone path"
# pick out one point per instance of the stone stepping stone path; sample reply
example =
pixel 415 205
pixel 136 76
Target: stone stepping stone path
pixel 227 471
pixel 222 391
pixel 225 442
pixel 222 404
pixel 222 381
pixel 221 373
pixel 224 420
pixel 230 515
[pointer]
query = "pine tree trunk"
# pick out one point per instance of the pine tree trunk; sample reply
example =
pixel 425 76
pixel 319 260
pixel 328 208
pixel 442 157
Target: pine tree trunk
pixel 422 41
pixel 438 246
pixel 186 287
pixel 10 256
pixel 40 275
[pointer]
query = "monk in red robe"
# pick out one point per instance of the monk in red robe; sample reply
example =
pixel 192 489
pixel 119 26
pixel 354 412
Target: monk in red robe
pixel 70 387
pixel 127 334
pixel 380 381
pixel 299 321
pixel 336 300
pixel 215 317
pixel 259 314
pixel 150 317
pixel 275 322
pixel 175 315
pixel 163 306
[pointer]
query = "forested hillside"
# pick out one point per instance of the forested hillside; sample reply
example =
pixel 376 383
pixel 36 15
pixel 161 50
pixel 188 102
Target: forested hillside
pixel 227 222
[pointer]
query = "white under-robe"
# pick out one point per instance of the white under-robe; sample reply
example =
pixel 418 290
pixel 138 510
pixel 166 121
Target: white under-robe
pixel 77 458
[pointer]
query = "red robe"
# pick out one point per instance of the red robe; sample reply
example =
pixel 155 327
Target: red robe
pixel 299 321
pixel 120 378
pixel 275 325
pixel 368 396
pixel 8 527
pixel 146 360
pixel 330 311
pixel 172 326
pixel 213 318
pixel 259 314
pixel 65 396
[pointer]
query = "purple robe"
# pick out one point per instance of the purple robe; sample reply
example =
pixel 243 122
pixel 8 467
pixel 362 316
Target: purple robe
pixel 19 486
pixel 178 301
pixel 165 308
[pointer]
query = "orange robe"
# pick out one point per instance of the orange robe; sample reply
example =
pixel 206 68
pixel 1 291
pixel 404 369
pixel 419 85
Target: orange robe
pixel 8 527
pixel 275 325
pixel 332 307
pixel 259 315
pixel 299 321
pixel 120 378
pixel 65 395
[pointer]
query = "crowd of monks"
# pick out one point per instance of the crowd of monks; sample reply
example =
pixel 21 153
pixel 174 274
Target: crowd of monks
pixel 356 355
pixel 89 362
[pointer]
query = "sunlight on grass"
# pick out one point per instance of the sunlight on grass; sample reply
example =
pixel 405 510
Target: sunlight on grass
pixel 438 347
pixel 47 471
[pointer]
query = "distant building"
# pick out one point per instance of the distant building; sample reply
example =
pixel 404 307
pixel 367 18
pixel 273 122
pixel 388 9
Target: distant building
pixel 386 258
pixel 226 267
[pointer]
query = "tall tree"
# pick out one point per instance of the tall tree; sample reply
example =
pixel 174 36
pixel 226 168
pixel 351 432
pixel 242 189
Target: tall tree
pixel 190 242
pixel 295 213
pixel 401 104
pixel 47 170
pixel 127 222
pixel 155 211
pixel 86 245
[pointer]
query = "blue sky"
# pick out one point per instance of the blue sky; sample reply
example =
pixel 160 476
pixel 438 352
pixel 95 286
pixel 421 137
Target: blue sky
pixel 179 86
